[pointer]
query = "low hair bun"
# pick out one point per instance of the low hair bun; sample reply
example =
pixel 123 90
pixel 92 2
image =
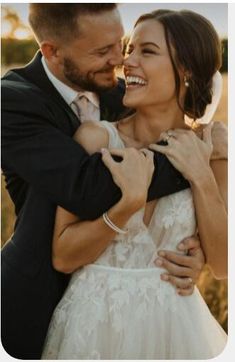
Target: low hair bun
pixel 198 96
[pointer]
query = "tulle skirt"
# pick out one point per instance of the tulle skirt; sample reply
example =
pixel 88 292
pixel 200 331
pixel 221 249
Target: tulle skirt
pixel 114 313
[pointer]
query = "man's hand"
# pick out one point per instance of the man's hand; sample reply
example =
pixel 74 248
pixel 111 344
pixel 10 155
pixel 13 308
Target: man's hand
pixel 183 270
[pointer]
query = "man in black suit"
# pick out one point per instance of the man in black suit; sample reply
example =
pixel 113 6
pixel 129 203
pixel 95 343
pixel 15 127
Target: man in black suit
pixel 44 167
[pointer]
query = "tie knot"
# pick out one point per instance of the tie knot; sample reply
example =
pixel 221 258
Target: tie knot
pixel 85 109
pixel 81 98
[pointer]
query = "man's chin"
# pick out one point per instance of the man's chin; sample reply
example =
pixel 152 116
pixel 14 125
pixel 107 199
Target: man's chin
pixel 106 85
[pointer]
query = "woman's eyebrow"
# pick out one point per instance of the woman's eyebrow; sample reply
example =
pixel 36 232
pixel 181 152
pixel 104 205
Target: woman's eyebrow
pixel 150 43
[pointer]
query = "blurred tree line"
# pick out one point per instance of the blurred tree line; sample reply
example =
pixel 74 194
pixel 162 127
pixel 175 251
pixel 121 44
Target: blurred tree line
pixel 15 51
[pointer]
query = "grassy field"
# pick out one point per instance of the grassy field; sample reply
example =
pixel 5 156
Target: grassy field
pixel 213 291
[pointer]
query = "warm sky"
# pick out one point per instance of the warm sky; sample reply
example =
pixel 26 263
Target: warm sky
pixel 217 13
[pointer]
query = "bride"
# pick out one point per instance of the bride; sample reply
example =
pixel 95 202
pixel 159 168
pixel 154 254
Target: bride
pixel 116 306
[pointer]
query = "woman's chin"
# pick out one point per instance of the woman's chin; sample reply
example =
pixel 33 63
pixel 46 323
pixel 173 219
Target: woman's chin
pixel 129 102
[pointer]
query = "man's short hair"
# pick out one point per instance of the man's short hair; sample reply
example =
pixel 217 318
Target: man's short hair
pixel 56 21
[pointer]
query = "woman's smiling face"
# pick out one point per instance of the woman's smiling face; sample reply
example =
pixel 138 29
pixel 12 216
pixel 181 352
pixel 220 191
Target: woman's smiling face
pixel 148 69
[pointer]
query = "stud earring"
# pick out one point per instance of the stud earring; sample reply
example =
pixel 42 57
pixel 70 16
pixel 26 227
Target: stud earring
pixel 186 83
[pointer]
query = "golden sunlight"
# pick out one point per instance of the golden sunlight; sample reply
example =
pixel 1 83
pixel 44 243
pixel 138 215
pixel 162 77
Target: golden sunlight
pixel 13 25
pixel 5 28
pixel 22 34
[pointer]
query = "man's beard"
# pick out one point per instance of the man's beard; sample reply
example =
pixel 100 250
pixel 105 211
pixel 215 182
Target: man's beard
pixel 85 82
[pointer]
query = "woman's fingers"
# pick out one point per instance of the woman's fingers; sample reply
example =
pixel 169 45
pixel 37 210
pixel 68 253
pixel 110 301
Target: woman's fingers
pixel 107 159
pixel 166 150
pixel 123 152
pixel 133 174
pixel 207 132
pixel 118 151
pixel 219 136
pixel 166 135
pixel 148 154
pixel 206 135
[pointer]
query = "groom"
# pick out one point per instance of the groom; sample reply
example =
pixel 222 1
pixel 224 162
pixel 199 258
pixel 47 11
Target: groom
pixel 71 79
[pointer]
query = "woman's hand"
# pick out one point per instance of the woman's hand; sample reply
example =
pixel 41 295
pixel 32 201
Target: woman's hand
pixel 208 179
pixel 133 174
pixel 188 153
pixel 219 136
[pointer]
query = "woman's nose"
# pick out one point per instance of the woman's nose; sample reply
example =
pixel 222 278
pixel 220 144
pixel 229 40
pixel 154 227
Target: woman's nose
pixel 130 60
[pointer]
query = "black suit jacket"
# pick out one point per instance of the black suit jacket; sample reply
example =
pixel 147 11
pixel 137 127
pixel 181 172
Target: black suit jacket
pixel 44 168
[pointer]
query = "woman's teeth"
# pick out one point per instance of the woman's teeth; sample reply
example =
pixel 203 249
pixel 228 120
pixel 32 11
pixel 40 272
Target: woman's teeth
pixel 130 80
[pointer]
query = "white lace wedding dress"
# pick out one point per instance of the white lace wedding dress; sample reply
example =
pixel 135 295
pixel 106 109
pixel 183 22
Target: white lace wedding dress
pixel 118 308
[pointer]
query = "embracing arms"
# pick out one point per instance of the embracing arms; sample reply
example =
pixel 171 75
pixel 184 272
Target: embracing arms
pixel 77 243
pixel 37 147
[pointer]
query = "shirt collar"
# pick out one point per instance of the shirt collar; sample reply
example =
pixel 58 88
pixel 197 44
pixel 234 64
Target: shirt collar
pixel 68 93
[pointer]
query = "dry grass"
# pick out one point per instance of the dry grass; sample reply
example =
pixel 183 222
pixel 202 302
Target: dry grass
pixel 213 291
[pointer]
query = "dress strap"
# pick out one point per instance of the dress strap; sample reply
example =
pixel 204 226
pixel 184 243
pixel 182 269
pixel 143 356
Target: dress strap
pixel 115 140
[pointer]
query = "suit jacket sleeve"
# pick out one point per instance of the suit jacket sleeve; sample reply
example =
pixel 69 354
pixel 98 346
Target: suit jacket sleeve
pixel 36 148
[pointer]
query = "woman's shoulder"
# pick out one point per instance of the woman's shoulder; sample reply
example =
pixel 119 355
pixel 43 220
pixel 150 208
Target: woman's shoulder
pixel 92 136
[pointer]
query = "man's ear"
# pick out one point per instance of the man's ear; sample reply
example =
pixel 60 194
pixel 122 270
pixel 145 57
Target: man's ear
pixel 50 50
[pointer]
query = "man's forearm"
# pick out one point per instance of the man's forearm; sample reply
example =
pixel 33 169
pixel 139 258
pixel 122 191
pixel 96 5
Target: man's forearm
pixel 53 163
pixel 166 179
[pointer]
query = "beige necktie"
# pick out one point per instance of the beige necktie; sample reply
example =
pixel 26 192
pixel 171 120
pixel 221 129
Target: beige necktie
pixel 85 109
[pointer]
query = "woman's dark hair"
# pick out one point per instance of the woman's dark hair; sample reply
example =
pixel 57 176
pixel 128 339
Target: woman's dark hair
pixel 61 20
pixel 197 50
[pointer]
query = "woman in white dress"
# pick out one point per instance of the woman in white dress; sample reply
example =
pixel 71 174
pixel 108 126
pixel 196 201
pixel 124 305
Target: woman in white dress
pixel 116 305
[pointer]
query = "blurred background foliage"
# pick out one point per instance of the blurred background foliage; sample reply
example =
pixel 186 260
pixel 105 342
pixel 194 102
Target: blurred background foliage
pixel 17 52
pixel 21 51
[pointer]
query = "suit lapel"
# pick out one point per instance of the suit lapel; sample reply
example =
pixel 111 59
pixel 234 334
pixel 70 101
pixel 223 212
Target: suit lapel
pixel 34 73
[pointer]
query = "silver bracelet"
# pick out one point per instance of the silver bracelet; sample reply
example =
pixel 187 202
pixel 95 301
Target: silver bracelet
pixel 112 225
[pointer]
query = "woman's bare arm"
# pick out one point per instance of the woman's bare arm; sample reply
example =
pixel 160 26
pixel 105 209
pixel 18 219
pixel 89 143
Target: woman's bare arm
pixel 208 179
pixel 210 199
pixel 78 243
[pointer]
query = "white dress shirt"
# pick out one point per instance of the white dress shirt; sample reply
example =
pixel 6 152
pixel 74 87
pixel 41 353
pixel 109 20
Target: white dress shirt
pixel 85 104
